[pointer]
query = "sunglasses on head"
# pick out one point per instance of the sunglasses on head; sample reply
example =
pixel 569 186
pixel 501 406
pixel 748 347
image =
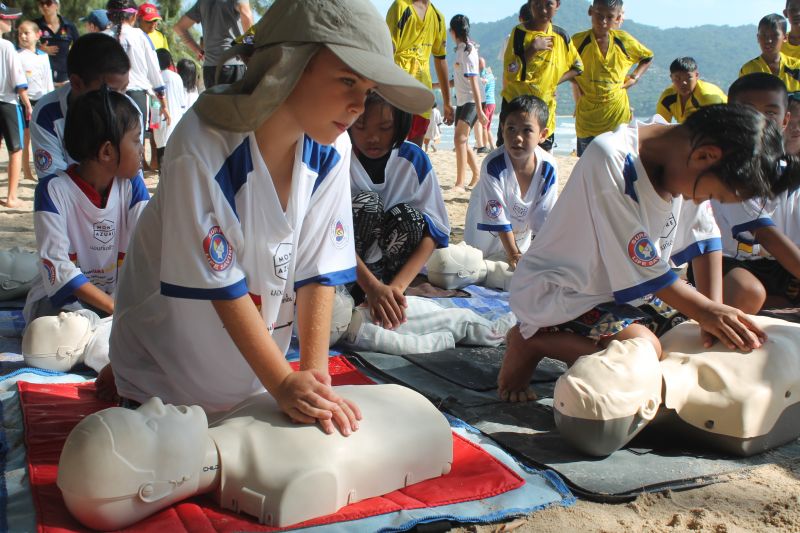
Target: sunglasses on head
pixel 46 2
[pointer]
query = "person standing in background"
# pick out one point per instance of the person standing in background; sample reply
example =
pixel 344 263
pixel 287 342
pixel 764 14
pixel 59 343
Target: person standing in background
pixel 57 37
pixel 149 18
pixel 223 21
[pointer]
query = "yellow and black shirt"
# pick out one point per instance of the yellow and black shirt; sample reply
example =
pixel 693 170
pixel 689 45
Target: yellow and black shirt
pixel 705 93
pixel 789 72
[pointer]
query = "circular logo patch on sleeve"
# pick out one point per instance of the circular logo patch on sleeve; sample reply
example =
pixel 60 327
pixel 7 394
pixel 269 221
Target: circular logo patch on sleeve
pixel 338 234
pixel 642 251
pixel 494 209
pixel 51 271
pixel 219 252
pixel 42 159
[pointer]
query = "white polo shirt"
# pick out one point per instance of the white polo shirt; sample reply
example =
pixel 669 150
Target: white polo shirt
pixel 464 69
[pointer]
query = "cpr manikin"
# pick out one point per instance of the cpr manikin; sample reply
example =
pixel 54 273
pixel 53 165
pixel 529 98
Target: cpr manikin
pixel 429 327
pixel 18 270
pixel 739 403
pixel 119 466
pixel 62 341
pixel 733 402
pixel 607 398
pixel 459 265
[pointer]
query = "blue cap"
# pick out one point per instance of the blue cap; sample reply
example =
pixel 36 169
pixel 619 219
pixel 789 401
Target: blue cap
pixel 98 17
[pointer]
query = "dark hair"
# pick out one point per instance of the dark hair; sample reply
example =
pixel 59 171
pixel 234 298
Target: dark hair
pixel 753 162
pixel 94 55
pixel 683 64
pixel 525 14
pixel 532 106
pixel 401 119
pixel 164 58
pixel 794 98
pixel 758 81
pixel 95 118
pixel 774 21
pixel 611 4
pixel 187 70
pixel 459 24
pixel 120 11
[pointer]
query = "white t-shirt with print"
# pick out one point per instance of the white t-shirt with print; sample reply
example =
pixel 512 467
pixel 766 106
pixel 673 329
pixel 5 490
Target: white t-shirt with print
pixel 464 70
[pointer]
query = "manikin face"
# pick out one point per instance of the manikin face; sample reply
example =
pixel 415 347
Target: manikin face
pixel 456 266
pixel 684 82
pixel 48 335
pixel 604 18
pixel 728 392
pixel 620 381
pixel 791 135
pixel 373 132
pixel 522 135
pixel 770 40
pixel 328 98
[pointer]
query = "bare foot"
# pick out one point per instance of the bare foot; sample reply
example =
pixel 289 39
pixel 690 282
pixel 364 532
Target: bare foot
pixel 11 202
pixel 513 383
pixel 473 183
pixel 29 175
pixel 458 188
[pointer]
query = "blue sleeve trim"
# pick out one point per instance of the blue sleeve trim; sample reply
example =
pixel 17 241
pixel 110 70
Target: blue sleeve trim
pixel 495 227
pixel 468 75
pixel 320 159
pixel 696 250
pixel 763 222
pixel 20 87
pixel 47 116
pixel 233 174
pixel 417 157
pixel 497 165
pixel 41 196
pixel 442 239
pixel 160 90
pixel 65 293
pixel 548 177
pixel 331 279
pixel 138 191
pixel 231 292
pixel 648 287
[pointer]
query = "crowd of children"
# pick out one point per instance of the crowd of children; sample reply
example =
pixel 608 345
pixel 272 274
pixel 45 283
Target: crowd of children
pixel 254 223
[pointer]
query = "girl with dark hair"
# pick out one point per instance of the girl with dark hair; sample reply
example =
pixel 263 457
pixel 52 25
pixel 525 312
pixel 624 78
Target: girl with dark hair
pixel 80 268
pixel 622 221
pixel 145 74
pixel 399 216
pixel 466 81
pixel 187 70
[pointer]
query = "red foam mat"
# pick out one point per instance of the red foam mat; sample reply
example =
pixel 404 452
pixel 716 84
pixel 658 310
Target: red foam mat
pixel 51 411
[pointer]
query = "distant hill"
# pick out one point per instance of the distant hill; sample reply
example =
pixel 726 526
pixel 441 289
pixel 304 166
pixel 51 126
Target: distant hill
pixel 719 50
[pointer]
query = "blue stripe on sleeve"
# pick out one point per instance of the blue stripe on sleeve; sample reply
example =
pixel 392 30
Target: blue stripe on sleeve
pixel 320 159
pixel 494 227
pixel 231 292
pixel 138 191
pixel 20 87
pixel 646 288
pixel 331 279
pixel 47 116
pixel 762 222
pixel 696 250
pixel 496 166
pixel 417 157
pixel 442 239
pixel 65 293
pixel 233 174
pixel 41 196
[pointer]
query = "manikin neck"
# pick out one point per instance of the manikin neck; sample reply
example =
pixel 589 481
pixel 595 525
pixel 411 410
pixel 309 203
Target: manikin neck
pixel 210 473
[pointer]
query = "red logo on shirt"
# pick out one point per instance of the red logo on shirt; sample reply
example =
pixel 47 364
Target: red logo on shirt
pixel 494 209
pixel 51 271
pixel 43 159
pixel 642 251
pixel 219 252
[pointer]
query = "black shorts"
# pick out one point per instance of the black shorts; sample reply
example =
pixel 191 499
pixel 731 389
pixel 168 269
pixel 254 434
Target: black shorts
pixel 777 280
pixel 11 126
pixel 468 113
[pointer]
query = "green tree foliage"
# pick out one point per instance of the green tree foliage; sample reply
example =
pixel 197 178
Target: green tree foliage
pixel 719 50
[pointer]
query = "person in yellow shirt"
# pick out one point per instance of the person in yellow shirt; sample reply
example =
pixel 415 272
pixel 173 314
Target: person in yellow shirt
pixel 538 57
pixel 607 55
pixel 688 92
pixel 149 18
pixel 792 45
pixel 771 37
pixel 418 31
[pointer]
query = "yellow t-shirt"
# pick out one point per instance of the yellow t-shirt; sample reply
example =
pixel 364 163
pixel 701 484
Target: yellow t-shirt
pixel 539 74
pixel 791 50
pixel 158 39
pixel 705 93
pixel 604 104
pixel 415 39
pixel 789 72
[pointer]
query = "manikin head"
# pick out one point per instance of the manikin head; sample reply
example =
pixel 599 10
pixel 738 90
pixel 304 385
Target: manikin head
pixel 729 393
pixel 456 266
pixel 56 342
pixel 606 398
pixel 120 465
pixel 18 270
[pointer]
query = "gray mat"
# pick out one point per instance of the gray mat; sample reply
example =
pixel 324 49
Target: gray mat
pixel 651 462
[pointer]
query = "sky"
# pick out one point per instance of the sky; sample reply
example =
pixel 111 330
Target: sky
pixel 661 13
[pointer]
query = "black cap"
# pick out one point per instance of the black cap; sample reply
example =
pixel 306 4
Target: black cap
pixel 9 13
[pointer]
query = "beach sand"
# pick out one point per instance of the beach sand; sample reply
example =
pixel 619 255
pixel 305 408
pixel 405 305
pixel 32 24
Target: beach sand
pixel 763 499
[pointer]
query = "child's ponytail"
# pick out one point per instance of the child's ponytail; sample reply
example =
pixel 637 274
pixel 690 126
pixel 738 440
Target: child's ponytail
pixel 459 25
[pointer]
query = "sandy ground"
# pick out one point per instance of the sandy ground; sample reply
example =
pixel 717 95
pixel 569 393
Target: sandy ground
pixel 763 499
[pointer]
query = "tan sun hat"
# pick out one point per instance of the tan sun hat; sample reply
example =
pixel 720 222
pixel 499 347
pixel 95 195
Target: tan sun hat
pixel 286 38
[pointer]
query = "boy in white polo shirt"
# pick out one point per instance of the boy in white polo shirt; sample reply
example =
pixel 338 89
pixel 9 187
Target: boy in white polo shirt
pixel 13 89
